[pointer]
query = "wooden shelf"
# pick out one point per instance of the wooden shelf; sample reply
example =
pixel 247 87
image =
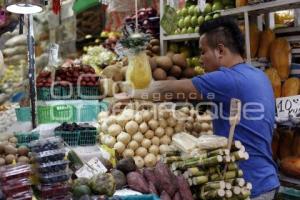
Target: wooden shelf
pixel 181 37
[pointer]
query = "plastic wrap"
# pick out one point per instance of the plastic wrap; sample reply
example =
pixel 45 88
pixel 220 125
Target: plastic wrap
pixel 57 177
pixel 59 189
pixel 49 156
pixel 53 166
pixel 211 142
pixel 11 172
pixel 52 143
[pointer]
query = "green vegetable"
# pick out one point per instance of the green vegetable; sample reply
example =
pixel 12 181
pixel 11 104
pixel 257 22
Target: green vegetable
pixel 80 191
pixel 103 184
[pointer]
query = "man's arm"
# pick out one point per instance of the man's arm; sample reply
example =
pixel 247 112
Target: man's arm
pixel 168 90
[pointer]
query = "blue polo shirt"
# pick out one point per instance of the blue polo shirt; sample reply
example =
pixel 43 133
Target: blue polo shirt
pixel 255 130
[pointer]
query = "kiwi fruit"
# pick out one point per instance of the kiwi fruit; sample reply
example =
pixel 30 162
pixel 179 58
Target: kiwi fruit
pixel 175 71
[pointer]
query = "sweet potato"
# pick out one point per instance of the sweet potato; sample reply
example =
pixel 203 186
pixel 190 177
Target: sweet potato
pixel 184 188
pixel 177 196
pixel 152 188
pixel 149 175
pixel 137 182
pixel 165 196
pixel 166 179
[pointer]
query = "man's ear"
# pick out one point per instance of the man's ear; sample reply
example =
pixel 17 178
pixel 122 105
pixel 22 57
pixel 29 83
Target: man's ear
pixel 220 51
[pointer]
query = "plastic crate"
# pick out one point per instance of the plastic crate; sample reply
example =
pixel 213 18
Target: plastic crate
pixel 63 113
pixel 68 92
pixel 44 93
pixel 24 138
pixel 87 137
pixel 71 138
pixel 23 114
pixel 88 92
pixel 88 113
pixel 44 114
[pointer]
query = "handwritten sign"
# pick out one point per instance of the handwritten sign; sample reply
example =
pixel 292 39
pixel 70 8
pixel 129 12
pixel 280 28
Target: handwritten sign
pixel 287 106
pixel 92 168
pixel 201 4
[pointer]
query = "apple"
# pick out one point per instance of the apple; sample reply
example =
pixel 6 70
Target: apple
pixel 200 20
pixel 190 30
pixel 187 21
pixel 184 11
pixel 181 23
pixel 191 10
pixel 197 29
pixel 208 8
pixel 194 20
pixel 207 18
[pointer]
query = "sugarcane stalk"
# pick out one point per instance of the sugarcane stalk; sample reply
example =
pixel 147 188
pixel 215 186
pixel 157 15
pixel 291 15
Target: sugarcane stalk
pixel 231 181
pixel 194 162
pixel 249 186
pixel 228 186
pixel 172 153
pixel 245 193
pixel 177 173
pixel 199 180
pixel 171 159
pixel 246 156
pixel 236 190
pixel 213 194
pixel 232 159
pixel 232 166
pixel 240 182
pixel 228 193
pixel 227 159
pixel 217 152
pixel 240 173
pixel 239 155
pixel 212 170
pixel 228 175
pixel 195 171
pixel 237 145
pixel 214 185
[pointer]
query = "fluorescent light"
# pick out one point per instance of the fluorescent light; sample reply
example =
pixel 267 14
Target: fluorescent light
pixel 24 6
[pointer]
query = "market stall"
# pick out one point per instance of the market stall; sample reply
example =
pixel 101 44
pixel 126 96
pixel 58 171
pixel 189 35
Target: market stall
pixel 65 135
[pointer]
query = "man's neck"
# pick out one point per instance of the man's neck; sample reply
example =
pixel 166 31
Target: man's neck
pixel 233 60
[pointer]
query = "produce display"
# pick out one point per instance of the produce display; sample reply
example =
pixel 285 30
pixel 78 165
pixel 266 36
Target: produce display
pixel 10 153
pixel 202 172
pixel 148 22
pixel 48 155
pixel 15 182
pixel 7 117
pixel 15 50
pixel 111 39
pixel 153 48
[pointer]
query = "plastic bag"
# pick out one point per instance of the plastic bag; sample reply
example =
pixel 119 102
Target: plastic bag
pixel 139 71
pixel 211 142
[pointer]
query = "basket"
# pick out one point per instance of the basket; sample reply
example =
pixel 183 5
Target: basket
pixel 88 113
pixel 43 114
pixel 87 137
pixel 44 93
pixel 71 138
pixel 24 138
pixel 63 113
pixel 88 92
pixel 68 92
pixel 23 114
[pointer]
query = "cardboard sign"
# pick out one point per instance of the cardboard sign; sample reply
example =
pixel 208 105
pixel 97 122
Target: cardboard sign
pixel 287 106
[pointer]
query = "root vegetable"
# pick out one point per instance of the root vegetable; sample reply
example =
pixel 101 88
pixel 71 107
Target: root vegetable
pixel 165 196
pixel 137 182
pixel 143 127
pixel 109 141
pixel 154 149
pixel 139 161
pixel 149 134
pixel 119 147
pixel 138 118
pixel 122 121
pixel 184 188
pixel 163 123
pixel 124 138
pixel 159 132
pixel 188 126
pixel 126 165
pixel 164 148
pixel 153 124
pixel 165 140
pixel 178 128
pixel 104 127
pixel 23 159
pixel 133 145
pixel 152 188
pixel 128 153
pixel 23 151
pixel 131 127
pixel 10 149
pixel 120 178
pixel 150 160
pixel 141 151
pixel 169 131
pixel 155 141
pixel 166 178
pixel 205 126
pixel 111 120
pixel 138 137
pixel 147 115
pixel 158 158
pixel 114 130
pixel 171 122
pixel 146 143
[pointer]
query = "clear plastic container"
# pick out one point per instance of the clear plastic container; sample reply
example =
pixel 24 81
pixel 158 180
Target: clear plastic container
pixel 11 172
pixel 59 189
pixel 52 143
pixel 60 197
pixel 49 156
pixel 57 177
pixel 27 195
pixel 52 167
pixel 16 186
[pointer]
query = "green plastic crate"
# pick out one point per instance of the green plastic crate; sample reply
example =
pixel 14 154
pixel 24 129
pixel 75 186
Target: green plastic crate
pixel 68 92
pixel 87 137
pixel 23 114
pixel 63 113
pixel 88 113
pixel 71 138
pixel 44 93
pixel 88 92
pixel 44 114
pixel 24 138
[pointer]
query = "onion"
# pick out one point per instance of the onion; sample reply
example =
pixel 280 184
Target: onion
pixel 150 160
pixel 128 153
pixel 147 115
pixel 159 132
pixel 171 122
pixel 163 123
pixel 178 128
pixel 119 147
pixel 131 127
pixel 165 140
pixel 109 141
pixel 133 145
pixel 114 130
pixel 169 131
pixel 155 141
pixel 149 134
pixel 153 124
pixel 139 161
pixel 124 138
pixel 164 148
pixel 154 149
pixel 146 143
pixel 138 137
pixel 138 118
pixel 141 151
pixel 143 127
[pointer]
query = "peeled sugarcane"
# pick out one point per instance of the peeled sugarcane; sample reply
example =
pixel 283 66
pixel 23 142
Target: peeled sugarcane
pixel 249 186
pixel 213 194
pixel 217 152
pixel 182 165
pixel 236 190
pixel 245 193
pixel 237 145
pixel 227 159
pixel 232 166
pixel 214 185
pixel 171 159
pixel 240 182
pixel 199 180
pixel 240 155
pixel 228 193
pixel 228 186
pixel 194 171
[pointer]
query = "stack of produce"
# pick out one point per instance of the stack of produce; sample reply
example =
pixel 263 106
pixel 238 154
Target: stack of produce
pixel 148 21
pixel 9 153
pixel 15 182
pixel 51 167
pixel 44 79
pixel 111 39
pixel 205 172
pixel 15 50
pixel 7 118
pixel 153 48
pixel 190 17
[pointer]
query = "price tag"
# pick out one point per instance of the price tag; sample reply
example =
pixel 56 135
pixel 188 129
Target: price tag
pixel 84 172
pixel 201 4
pixel 287 106
pixel 53 54
pixel 97 166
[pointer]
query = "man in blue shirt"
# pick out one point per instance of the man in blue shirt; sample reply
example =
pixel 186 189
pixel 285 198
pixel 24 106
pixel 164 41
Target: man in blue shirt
pixel 222 50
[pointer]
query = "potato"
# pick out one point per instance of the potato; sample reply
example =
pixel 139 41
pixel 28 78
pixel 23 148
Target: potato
pixel 13 140
pixel 23 159
pixel 175 71
pixel 23 151
pixel 159 74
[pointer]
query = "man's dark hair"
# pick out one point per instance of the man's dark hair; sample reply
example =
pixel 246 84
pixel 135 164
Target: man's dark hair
pixel 224 30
